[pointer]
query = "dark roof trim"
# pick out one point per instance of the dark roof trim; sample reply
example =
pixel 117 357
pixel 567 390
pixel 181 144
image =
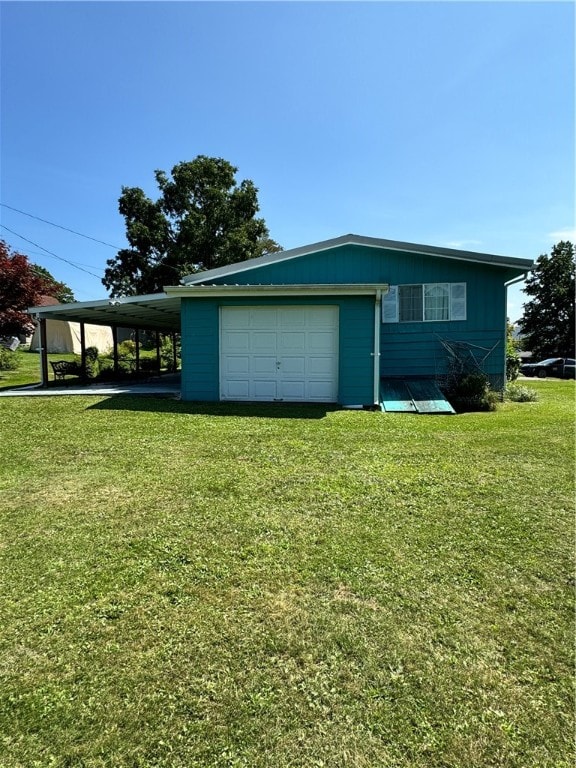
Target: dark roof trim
pixel 370 242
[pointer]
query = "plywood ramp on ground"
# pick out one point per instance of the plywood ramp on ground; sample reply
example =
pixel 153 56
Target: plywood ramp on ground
pixel 412 396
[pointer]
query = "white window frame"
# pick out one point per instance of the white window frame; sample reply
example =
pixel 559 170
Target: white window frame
pixel 457 303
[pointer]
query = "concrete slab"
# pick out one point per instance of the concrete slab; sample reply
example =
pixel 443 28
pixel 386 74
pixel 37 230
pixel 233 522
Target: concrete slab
pixel 168 386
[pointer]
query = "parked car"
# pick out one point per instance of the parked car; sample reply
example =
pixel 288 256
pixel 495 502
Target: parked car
pixel 562 367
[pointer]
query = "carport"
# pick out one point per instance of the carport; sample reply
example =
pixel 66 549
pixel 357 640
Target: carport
pixel 156 313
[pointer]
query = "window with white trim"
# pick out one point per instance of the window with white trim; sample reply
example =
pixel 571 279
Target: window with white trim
pixel 426 302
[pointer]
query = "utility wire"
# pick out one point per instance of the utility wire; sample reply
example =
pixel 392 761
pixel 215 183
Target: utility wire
pixel 109 245
pixel 49 252
pixel 66 229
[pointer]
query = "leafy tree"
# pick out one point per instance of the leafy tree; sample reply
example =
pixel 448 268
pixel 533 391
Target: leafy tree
pixel 202 219
pixel 548 321
pixel 58 290
pixel 512 354
pixel 20 287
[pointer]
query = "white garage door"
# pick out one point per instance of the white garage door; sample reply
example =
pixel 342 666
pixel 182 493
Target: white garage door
pixel 279 353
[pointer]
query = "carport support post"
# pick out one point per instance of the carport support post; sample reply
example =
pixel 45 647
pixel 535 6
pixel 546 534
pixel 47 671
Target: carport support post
pixel 43 353
pixel 137 340
pixel 82 351
pixel 376 353
pixel 174 355
pixel 158 358
pixel 115 348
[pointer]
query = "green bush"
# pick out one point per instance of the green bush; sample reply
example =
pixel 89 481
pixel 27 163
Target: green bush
pixel 126 349
pixel 8 360
pixel 125 367
pixel 512 354
pixel 92 362
pixel 512 364
pixel 167 353
pixel 518 393
pixel 106 372
pixel 471 392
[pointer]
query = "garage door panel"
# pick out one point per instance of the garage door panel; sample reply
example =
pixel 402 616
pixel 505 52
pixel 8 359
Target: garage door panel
pixel 322 341
pixel 263 341
pixel 264 389
pixel 322 317
pixel 292 366
pixel 320 366
pixel 322 390
pixel 263 318
pixel 292 317
pixel 292 390
pixel 239 341
pixel 234 366
pixel 292 341
pixel 236 317
pixel 237 389
pixel 264 365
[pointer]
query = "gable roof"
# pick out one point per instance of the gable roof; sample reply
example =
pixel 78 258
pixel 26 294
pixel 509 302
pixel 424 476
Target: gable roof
pixel 370 242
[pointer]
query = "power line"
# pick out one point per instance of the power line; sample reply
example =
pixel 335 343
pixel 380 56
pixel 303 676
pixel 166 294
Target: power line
pixel 49 252
pixel 30 252
pixel 66 229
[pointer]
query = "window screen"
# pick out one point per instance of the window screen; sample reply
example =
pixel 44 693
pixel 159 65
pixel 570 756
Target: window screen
pixel 410 303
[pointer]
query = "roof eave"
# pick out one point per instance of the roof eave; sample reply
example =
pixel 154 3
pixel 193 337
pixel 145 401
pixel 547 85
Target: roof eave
pixel 304 289
pixel 371 242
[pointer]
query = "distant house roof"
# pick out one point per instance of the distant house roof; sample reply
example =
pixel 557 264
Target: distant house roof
pixel 47 301
pixel 370 242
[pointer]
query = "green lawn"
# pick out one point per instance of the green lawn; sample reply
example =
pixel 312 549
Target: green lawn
pixel 28 371
pixel 224 585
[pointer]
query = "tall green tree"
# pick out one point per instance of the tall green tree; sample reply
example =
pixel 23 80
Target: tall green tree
pixel 548 320
pixel 202 219
pixel 55 288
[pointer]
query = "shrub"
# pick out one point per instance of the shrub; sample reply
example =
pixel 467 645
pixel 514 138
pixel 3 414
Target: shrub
pixel 512 364
pixel 106 372
pixel 471 392
pixel 125 367
pixel 167 353
pixel 8 360
pixel 512 354
pixel 518 393
pixel 92 363
pixel 126 350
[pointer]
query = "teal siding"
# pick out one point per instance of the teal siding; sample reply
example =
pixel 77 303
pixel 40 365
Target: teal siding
pixel 407 349
pixel 200 345
pixel 200 350
pixel 415 349
pixel 362 264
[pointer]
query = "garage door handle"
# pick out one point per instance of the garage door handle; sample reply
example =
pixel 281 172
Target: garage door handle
pixel 278 364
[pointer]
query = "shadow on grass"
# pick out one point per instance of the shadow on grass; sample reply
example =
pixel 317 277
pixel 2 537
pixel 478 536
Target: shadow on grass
pixel 169 404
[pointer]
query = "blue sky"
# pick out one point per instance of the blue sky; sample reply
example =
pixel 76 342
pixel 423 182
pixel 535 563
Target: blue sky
pixel 445 123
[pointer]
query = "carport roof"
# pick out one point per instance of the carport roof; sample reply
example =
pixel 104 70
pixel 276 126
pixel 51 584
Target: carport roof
pixel 155 311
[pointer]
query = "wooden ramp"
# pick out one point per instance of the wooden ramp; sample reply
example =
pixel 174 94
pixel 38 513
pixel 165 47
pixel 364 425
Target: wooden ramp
pixel 412 396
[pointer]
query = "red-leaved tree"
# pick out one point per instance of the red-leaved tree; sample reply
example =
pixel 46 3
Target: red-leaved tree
pixel 20 287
